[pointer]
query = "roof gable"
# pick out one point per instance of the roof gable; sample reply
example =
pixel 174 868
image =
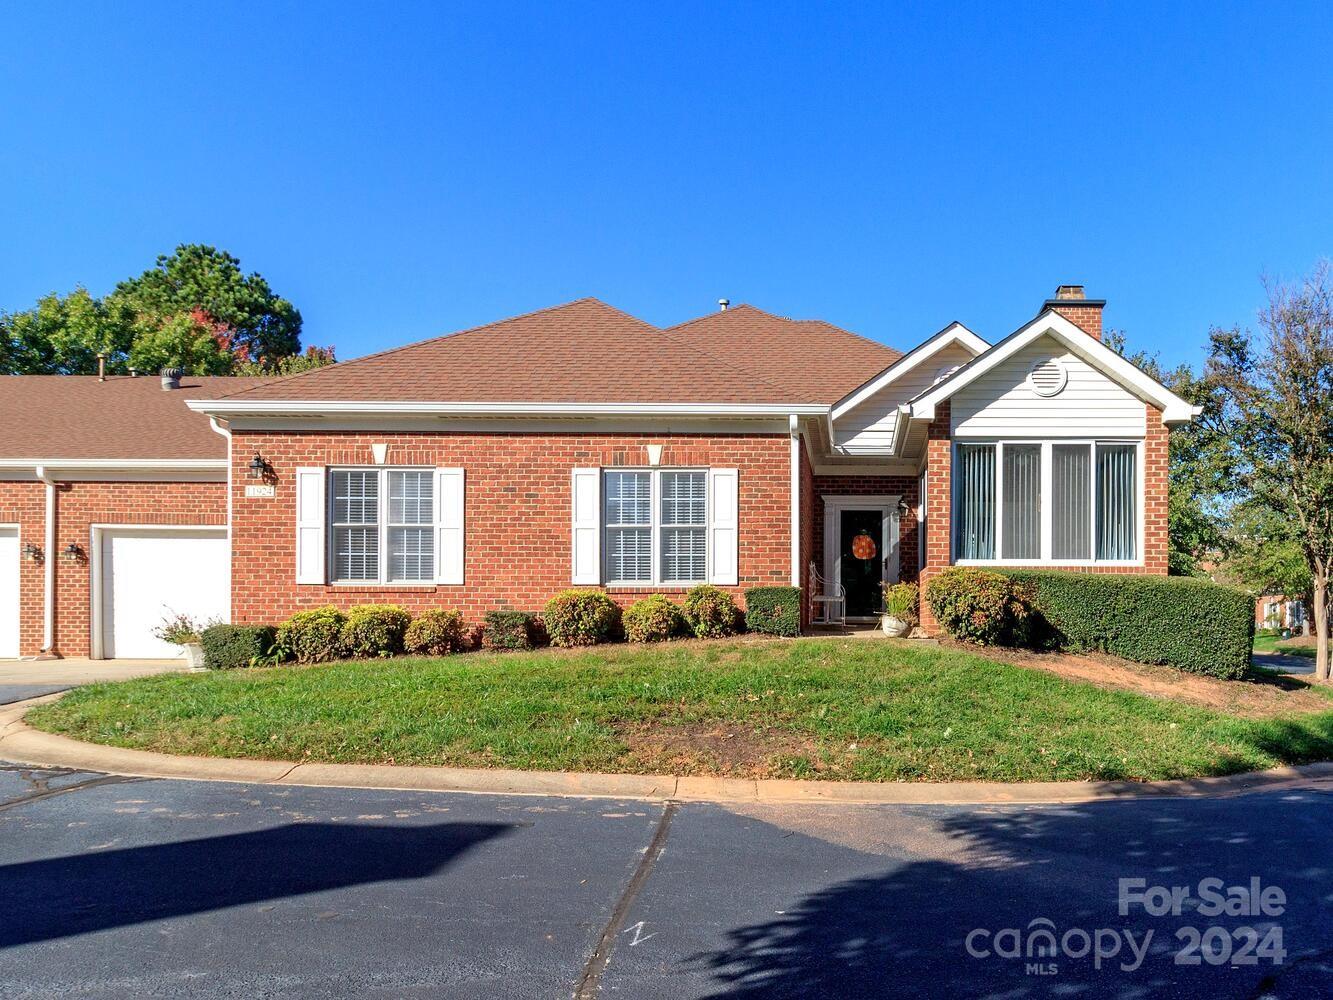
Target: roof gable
pixel 954 333
pixel 1093 351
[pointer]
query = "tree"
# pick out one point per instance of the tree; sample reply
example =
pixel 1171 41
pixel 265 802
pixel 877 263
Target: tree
pixel 1267 555
pixel 313 357
pixel 194 309
pixel 198 291
pixel 1202 490
pixel 1281 394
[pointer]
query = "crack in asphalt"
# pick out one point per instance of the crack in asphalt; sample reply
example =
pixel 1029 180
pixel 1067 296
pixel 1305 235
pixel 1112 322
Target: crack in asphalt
pixel 46 793
pixel 590 982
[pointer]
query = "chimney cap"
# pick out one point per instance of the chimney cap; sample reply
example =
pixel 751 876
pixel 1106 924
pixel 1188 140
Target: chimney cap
pixel 1069 292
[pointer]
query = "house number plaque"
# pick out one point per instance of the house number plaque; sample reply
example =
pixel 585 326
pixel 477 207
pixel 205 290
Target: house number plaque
pixel 260 490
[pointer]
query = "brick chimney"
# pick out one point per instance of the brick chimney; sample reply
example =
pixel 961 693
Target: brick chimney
pixel 1083 312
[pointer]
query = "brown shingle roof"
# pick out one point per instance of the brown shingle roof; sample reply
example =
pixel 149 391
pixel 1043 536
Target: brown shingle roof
pixel 589 352
pixel 808 356
pixel 78 417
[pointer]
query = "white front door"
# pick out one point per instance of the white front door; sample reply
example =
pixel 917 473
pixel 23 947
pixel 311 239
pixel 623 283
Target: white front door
pixel 148 575
pixel 9 592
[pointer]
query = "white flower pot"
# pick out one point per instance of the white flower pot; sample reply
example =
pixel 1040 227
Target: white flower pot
pixel 194 655
pixel 895 628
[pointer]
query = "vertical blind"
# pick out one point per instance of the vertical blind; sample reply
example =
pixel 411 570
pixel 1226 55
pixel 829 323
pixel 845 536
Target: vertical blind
pixel 1022 501
pixel 975 507
pixel 1071 501
pixel 1093 500
pixel 1117 492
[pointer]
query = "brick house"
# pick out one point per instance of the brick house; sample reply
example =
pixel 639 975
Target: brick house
pixel 578 446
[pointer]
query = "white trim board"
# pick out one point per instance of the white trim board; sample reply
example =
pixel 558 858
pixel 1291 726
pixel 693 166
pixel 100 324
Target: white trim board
pixel 225 407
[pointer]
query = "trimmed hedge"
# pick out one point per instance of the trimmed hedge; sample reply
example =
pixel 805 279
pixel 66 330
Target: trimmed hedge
pixel 1179 621
pixel 436 632
pixel 710 612
pixel 374 630
pixel 773 610
pixel 313 636
pixel 656 618
pixel 227 647
pixel 581 618
pixel 981 606
pixel 508 630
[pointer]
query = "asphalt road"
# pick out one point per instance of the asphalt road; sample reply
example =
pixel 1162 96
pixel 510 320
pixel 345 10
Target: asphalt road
pixel 147 888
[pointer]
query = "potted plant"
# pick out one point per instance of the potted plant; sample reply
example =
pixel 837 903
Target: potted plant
pixel 900 609
pixel 181 630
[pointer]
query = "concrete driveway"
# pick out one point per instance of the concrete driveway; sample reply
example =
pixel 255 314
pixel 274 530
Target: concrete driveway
pixel 150 888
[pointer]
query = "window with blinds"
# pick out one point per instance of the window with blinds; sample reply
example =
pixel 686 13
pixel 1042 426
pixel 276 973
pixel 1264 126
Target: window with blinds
pixel 655 524
pixel 376 541
pixel 1055 502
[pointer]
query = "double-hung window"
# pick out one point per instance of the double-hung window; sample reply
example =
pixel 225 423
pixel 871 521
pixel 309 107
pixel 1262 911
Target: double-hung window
pixel 1052 501
pixel 655 524
pixel 383 525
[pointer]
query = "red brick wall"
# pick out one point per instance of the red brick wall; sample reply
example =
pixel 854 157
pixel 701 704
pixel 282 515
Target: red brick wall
pixel 1156 469
pixel 517 512
pixel 79 505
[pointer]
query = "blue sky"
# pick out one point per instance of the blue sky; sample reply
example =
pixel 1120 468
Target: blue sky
pixel 400 171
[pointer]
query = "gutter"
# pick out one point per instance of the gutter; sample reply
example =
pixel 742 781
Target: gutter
pixel 224 407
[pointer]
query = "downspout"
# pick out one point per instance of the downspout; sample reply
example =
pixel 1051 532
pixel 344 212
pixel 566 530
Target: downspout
pixel 793 425
pixel 48 563
pixel 226 433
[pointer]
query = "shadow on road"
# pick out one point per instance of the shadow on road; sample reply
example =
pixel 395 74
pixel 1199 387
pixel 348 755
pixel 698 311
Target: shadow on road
pixel 59 897
pixel 904 932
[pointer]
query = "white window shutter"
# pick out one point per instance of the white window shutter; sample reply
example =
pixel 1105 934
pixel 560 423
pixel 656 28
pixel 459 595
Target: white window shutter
pixel 723 526
pixel 449 490
pixel 586 526
pixel 311 510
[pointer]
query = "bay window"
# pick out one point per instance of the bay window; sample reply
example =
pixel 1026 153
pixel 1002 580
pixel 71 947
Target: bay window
pixel 655 524
pixel 1059 502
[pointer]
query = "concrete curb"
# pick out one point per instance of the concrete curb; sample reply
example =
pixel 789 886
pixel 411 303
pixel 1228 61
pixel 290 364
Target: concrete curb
pixel 22 744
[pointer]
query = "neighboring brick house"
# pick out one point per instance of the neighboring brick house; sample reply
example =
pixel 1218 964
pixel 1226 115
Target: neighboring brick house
pixel 579 446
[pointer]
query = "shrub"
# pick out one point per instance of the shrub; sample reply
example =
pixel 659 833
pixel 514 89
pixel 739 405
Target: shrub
pixel 653 619
pixel 581 618
pixel 774 610
pixel 179 629
pixel 436 633
pixel 1183 622
pixel 313 636
pixel 977 605
pixel 374 630
pixel 710 612
pixel 227 647
pixel 508 630
pixel 903 601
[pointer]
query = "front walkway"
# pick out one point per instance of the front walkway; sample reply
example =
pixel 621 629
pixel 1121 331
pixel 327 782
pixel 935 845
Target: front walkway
pixel 23 679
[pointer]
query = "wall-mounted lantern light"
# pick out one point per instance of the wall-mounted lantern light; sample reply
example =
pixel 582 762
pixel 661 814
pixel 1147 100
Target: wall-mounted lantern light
pixel 903 507
pixel 258 467
pixel 32 553
pixel 72 553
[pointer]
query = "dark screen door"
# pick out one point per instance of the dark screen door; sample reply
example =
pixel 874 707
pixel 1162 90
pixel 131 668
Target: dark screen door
pixel 862 550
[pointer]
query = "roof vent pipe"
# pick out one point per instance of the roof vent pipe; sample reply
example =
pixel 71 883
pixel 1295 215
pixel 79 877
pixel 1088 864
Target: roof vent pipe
pixel 171 378
pixel 723 303
pixel 101 366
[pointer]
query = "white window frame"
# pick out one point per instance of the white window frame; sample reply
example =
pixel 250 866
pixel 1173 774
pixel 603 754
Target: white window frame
pixel 1047 507
pixel 382 525
pixel 655 527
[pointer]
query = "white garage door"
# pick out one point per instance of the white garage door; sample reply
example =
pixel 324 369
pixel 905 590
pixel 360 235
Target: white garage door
pixel 9 592
pixel 149 575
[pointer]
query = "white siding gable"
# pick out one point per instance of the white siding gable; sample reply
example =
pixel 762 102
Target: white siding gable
pixel 868 428
pixel 1001 403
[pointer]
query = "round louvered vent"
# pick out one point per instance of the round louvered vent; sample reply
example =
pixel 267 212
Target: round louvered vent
pixel 1048 378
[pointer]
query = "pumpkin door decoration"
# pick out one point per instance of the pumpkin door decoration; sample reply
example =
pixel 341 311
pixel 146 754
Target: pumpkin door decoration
pixel 863 546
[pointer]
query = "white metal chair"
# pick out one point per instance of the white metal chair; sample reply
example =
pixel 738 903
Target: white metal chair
pixel 828 604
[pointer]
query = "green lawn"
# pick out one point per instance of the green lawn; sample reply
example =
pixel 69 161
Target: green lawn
pixel 809 708
pixel 1276 644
